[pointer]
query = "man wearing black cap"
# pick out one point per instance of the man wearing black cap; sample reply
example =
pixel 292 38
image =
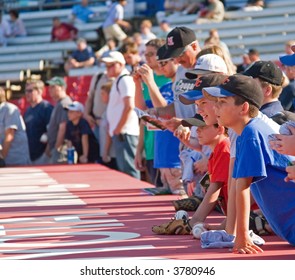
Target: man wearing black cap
pixel 182 46
pixel 270 77
pixel 166 148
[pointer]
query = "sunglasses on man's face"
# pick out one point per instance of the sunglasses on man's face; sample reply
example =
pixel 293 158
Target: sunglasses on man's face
pixel 110 65
pixel 29 90
pixel 163 63
pixel 149 54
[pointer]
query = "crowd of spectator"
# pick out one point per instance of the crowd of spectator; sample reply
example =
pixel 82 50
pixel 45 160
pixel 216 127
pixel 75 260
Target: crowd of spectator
pixel 171 79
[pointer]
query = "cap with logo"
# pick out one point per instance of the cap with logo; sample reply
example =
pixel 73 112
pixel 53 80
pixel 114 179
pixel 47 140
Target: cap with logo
pixel 177 39
pixel 209 80
pixel 114 56
pixel 161 54
pixel 197 120
pixel 266 71
pixel 288 60
pixel 75 106
pixel 238 85
pixel 56 81
pixel 207 63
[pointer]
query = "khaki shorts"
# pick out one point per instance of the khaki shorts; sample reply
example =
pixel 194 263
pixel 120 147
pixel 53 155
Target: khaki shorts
pixel 114 31
pixel 171 177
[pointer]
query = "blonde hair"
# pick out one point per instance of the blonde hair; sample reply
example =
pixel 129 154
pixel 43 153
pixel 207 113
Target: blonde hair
pixel 37 84
pixel 146 23
pixel 107 86
pixel 2 95
pixel 215 49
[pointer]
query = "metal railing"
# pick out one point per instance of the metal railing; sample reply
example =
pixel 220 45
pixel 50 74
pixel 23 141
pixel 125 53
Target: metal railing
pixel 34 5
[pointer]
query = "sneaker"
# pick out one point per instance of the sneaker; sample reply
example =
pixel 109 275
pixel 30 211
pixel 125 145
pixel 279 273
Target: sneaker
pixel 256 239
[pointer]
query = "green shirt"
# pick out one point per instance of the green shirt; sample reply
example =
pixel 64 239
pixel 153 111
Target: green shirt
pixel 149 135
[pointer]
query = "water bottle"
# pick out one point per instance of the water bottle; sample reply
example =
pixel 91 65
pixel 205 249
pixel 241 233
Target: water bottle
pixel 71 155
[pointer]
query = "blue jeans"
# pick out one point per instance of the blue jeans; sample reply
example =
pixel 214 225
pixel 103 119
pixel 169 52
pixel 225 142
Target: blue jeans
pixel 125 148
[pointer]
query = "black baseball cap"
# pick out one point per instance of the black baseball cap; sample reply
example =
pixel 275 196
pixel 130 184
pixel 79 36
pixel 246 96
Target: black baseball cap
pixel 161 54
pixel 266 71
pixel 209 80
pixel 177 39
pixel 197 120
pixel 238 85
pixel 283 117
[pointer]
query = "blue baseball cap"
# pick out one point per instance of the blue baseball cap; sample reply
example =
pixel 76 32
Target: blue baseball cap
pixel 288 60
pixel 209 80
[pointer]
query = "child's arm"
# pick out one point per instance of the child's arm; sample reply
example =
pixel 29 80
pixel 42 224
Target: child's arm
pixel 243 243
pixel 231 218
pixel 107 147
pixel 85 148
pixel 208 203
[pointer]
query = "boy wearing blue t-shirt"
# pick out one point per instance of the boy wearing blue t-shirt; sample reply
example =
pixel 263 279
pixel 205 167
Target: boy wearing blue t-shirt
pixel 257 166
pixel 79 134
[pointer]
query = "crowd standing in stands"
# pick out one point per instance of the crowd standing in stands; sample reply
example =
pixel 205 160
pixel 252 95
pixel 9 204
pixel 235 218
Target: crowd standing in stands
pixel 111 121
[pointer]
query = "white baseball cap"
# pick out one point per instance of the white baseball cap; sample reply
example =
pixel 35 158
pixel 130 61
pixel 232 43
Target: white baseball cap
pixel 114 56
pixel 75 106
pixel 206 64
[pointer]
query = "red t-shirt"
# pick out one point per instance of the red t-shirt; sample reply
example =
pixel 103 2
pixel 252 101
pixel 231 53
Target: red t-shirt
pixel 63 32
pixel 218 166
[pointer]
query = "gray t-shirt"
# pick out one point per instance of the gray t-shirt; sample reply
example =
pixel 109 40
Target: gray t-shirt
pixel 10 117
pixel 180 86
pixel 58 115
pixel 98 107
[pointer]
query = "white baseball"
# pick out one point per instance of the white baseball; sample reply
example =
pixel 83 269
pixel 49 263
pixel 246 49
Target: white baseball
pixel 44 138
pixel 197 230
pixel 181 214
pixel 181 129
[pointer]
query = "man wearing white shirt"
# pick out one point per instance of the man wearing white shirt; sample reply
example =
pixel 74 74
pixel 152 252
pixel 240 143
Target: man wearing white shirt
pixel 122 119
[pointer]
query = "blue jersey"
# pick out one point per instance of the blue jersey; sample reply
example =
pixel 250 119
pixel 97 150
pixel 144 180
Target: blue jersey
pixel 166 145
pixel 276 198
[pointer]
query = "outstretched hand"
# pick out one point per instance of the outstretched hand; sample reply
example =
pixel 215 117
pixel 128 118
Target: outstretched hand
pixel 284 143
pixel 245 246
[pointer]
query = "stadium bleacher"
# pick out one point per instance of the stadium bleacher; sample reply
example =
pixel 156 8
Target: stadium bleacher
pixel 267 31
